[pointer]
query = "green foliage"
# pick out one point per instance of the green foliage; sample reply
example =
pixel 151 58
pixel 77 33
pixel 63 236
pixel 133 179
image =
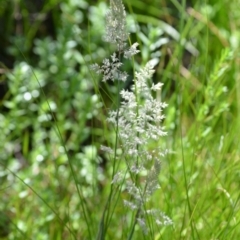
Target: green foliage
pixel 55 179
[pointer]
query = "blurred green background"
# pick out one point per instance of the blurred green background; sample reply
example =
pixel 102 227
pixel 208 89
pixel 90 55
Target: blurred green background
pixel 52 106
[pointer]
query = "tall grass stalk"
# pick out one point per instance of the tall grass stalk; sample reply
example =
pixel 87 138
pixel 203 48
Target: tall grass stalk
pixel 137 122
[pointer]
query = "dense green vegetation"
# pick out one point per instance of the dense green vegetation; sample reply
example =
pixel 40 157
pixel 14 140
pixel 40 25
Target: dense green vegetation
pixel 55 179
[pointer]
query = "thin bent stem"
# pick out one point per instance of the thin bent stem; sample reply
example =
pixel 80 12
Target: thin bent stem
pixel 105 222
pixel 134 224
pixel 45 202
pixel 57 130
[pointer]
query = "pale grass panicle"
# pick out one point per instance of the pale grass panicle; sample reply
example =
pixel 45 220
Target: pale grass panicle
pixel 116 31
pixel 137 122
